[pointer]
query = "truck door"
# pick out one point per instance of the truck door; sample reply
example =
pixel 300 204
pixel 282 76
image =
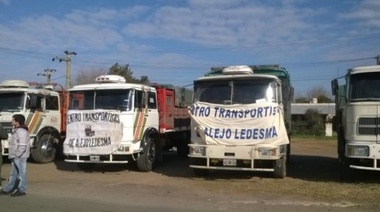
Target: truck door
pixel 36 113
pixel 52 112
pixel 146 113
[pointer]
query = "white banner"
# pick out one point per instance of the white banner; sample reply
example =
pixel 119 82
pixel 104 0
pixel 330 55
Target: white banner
pixel 92 133
pixel 240 124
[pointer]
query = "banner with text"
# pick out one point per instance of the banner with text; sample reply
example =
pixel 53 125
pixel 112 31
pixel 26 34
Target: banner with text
pixel 92 132
pixel 240 124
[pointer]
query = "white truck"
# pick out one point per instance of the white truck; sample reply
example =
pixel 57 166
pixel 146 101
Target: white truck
pixel 241 120
pixel 111 121
pixel 357 120
pixel 43 108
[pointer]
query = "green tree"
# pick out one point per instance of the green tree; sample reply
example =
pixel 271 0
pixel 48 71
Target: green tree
pixel 123 71
pixel 314 122
pixel 320 93
pixel 144 80
pixel 324 99
pixel 126 72
pixel 301 100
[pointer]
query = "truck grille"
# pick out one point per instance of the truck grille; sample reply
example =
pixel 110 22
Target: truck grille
pixel 7 126
pixel 368 126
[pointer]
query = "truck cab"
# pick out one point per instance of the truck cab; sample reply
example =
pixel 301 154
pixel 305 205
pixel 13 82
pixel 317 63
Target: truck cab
pixel 42 108
pixel 238 120
pixel 357 102
pixel 111 121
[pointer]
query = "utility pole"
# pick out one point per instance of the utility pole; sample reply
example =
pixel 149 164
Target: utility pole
pixel 67 59
pixel 47 74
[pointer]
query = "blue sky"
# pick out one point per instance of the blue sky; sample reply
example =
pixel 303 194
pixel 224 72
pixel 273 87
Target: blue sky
pixel 176 41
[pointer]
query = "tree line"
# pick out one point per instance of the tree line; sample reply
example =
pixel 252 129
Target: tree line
pixel 88 76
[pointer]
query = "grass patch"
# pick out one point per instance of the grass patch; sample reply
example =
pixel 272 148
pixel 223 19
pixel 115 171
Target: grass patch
pixel 310 137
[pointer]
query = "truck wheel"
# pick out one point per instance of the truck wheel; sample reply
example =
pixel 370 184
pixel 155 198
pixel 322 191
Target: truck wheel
pixel 147 160
pixel 280 167
pixel 45 149
pixel 200 172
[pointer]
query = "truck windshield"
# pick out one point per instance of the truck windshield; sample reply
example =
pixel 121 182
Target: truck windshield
pixel 11 101
pixel 364 87
pixel 101 99
pixel 235 92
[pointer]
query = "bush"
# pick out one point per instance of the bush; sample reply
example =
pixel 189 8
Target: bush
pixel 312 124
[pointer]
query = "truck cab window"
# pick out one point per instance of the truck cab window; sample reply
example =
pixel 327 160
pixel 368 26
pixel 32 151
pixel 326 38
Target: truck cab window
pixel 152 103
pixel 138 99
pixel 52 103
pixel 108 99
pixel 365 86
pixel 13 101
pixel 34 102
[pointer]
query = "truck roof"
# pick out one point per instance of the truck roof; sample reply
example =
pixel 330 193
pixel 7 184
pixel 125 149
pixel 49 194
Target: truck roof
pixel 263 70
pixel 32 87
pixel 30 90
pixel 107 86
pixel 364 69
pixel 219 77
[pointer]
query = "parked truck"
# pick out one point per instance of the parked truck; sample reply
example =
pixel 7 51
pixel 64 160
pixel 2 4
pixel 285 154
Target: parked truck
pixel 241 120
pixel 44 107
pixel 112 121
pixel 357 120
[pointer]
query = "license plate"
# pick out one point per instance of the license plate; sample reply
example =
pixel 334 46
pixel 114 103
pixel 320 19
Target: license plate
pixel 94 158
pixel 229 162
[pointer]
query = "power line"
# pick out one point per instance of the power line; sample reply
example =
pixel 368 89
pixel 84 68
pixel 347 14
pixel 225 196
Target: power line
pixel 47 74
pixel 66 59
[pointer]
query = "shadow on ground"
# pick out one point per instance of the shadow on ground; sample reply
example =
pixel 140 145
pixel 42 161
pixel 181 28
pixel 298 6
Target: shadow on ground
pixel 304 167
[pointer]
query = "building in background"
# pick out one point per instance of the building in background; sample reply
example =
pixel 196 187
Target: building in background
pixel 327 111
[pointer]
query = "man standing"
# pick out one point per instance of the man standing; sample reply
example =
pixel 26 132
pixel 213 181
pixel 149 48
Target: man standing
pixel 3 136
pixel 19 151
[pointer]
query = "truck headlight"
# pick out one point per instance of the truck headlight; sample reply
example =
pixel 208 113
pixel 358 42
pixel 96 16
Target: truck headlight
pixel 197 150
pixel 267 152
pixel 355 150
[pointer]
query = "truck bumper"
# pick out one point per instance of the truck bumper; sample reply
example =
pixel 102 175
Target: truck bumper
pixel 243 158
pixel 98 158
pixel 363 155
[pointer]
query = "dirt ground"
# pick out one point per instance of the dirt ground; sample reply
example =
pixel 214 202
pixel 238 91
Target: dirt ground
pixel 312 178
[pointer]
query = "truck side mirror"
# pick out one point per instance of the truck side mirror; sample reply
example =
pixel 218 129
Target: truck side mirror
pixel 33 101
pixel 334 87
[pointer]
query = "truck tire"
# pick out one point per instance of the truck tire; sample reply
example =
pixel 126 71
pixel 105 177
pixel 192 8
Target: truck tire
pixel 280 167
pixel 201 172
pixel 45 150
pixel 147 160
